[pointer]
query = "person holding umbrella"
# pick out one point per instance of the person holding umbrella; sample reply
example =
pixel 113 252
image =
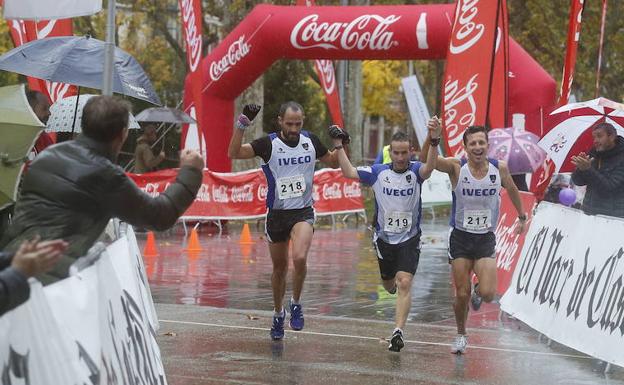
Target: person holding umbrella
pixel 144 159
pixel 73 189
pixel 477 181
pixel 41 107
pixel 602 171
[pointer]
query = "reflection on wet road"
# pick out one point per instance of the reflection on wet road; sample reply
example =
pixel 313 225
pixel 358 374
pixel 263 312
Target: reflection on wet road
pixel 342 280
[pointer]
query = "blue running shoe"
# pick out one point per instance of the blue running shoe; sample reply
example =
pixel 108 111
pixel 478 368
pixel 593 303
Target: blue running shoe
pixel 277 330
pixel 296 316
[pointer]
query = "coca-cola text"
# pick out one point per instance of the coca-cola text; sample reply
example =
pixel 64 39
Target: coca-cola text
pixel 236 52
pixel 357 34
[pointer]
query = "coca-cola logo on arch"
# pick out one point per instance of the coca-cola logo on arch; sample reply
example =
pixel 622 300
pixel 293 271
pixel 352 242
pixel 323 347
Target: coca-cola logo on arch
pixel 364 32
pixel 235 53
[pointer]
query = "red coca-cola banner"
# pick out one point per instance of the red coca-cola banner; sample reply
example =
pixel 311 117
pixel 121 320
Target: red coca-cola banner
pixel 23 32
pixel 497 110
pixel 327 77
pixel 469 64
pixel 508 243
pixel 191 13
pixel 243 195
pixel 574 33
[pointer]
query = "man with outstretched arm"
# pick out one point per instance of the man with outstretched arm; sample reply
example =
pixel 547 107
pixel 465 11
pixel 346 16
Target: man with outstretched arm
pixel 288 159
pixel 476 181
pixel 397 188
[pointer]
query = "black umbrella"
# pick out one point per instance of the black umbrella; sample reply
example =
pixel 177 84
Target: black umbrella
pixel 165 115
pixel 79 61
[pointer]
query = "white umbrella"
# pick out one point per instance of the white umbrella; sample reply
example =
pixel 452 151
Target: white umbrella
pixel 62 115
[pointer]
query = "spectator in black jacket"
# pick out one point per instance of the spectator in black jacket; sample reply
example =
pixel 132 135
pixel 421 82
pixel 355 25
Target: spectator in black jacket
pixel 32 258
pixel 74 188
pixel 602 171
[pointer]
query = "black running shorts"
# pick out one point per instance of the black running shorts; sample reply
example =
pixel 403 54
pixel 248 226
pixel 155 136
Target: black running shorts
pixel 402 256
pixel 279 223
pixel 472 246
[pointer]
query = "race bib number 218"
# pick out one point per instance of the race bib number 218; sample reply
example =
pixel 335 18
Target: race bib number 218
pixel 291 187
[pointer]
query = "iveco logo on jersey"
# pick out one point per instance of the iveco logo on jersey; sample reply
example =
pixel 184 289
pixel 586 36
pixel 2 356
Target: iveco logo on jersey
pixel 398 192
pixel 294 160
pixel 479 192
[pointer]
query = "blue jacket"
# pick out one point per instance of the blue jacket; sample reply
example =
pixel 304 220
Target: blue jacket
pixel 14 287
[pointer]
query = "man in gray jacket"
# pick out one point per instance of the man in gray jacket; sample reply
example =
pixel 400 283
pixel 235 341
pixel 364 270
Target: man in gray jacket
pixel 602 171
pixel 74 188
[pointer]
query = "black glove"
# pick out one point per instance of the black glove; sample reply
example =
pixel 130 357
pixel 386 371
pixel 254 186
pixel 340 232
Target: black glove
pixel 336 132
pixel 346 139
pixel 251 110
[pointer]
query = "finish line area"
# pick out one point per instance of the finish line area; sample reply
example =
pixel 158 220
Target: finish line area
pixel 214 312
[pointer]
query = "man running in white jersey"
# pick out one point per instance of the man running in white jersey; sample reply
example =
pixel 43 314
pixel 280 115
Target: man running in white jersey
pixel 288 163
pixel 397 187
pixel 477 183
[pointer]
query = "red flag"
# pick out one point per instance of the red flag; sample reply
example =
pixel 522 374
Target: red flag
pixel 574 33
pixel 23 32
pixel 190 11
pixel 327 76
pixel 498 114
pixel 469 65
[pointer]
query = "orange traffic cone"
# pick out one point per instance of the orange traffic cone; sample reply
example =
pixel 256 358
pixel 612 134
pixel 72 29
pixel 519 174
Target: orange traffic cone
pixel 150 249
pixel 245 238
pixel 193 243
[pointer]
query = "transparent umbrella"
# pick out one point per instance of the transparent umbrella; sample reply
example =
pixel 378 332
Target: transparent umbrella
pixel 66 115
pixel 518 148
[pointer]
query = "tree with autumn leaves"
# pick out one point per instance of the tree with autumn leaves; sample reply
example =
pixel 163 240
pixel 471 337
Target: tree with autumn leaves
pixel 150 31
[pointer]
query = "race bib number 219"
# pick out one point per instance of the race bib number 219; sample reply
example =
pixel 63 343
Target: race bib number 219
pixel 398 222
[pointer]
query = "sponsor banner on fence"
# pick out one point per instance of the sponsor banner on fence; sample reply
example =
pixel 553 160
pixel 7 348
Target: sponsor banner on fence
pixel 508 243
pixel 568 281
pixel 243 194
pixel 96 327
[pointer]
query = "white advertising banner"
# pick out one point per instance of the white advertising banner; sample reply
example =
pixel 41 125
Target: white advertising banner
pixel 46 10
pixel 96 327
pixel 417 106
pixel 568 283
pixel 436 190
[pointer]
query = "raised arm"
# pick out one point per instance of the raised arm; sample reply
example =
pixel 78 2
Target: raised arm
pixel 338 138
pixel 434 127
pixel 236 149
pixel 514 194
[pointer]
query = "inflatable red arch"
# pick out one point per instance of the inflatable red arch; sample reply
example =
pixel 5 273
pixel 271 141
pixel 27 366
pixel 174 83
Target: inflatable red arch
pixel 400 32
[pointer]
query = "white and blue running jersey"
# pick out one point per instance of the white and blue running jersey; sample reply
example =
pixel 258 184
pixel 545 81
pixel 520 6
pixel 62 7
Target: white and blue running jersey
pixel 290 172
pixel 476 202
pixel 397 201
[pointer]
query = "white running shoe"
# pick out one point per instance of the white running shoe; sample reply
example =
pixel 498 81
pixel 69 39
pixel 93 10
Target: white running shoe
pixel 459 345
